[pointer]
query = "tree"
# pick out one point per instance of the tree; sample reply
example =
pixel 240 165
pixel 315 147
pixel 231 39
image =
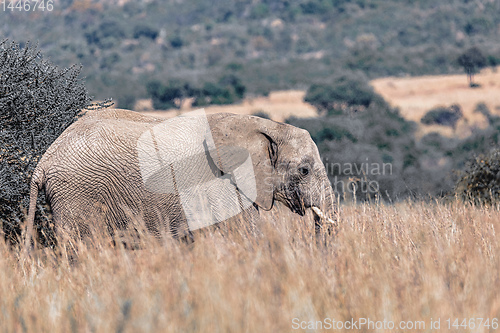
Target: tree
pixel 234 83
pixel 346 91
pixel 443 116
pixel 472 61
pixel 213 93
pixel 170 95
pixel 38 101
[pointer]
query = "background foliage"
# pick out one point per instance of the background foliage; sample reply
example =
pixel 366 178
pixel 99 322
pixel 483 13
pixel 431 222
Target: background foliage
pixel 37 102
pixel 272 44
pixel 480 181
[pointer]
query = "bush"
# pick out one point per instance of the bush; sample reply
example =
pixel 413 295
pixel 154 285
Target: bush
pixel 109 61
pixel 492 60
pixel 480 181
pixel 38 102
pixel 356 147
pixel 167 96
pixel 213 93
pixel 345 91
pixel 176 42
pixel 226 91
pixel 229 89
pixel 317 7
pixel 483 109
pixel 443 116
pixel 234 83
pixel 126 101
pixel 106 35
pixel 259 11
pixel 143 30
pixel 333 133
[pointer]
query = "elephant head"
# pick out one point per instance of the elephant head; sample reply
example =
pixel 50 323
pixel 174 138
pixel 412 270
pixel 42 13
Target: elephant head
pixel 286 163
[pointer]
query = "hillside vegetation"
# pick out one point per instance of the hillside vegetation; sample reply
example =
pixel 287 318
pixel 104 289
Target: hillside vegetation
pixel 268 44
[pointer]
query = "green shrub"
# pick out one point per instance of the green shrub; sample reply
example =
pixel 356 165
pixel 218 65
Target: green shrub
pixel 345 91
pixel 485 111
pixel 176 42
pixel 333 133
pixel 234 66
pixel 317 7
pixel 443 116
pixel 106 35
pixel 493 60
pixel 480 181
pixel 167 96
pixel 259 11
pixel 38 101
pixel 235 84
pixel 213 93
pixel 144 30
pixel 110 60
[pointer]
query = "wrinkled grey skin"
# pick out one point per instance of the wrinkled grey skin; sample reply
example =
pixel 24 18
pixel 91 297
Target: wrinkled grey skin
pixel 93 182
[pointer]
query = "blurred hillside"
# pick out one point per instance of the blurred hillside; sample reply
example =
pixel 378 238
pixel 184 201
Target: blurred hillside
pixel 160 54
pixel 269 45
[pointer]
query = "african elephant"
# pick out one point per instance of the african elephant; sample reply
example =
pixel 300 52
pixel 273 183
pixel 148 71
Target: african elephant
pixel 115 167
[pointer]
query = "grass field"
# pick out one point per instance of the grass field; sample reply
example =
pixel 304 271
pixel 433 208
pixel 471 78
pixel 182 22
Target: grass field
pixel 412 262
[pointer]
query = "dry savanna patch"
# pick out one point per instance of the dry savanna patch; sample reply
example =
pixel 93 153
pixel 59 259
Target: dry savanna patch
pixel 279 105
pixel 409 262
pixel 417 95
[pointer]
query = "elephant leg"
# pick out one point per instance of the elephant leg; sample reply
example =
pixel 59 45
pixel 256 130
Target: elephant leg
pixel 178 225
pixel 68 236
pixel 164 217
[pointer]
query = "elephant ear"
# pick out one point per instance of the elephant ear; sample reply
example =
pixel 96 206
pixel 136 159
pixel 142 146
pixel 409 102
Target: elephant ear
pixel 237 136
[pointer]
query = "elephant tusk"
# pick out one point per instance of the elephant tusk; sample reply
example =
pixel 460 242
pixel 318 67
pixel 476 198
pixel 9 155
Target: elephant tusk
pixel 322 215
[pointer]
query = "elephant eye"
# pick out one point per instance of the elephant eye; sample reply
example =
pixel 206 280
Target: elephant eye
pixel 304 171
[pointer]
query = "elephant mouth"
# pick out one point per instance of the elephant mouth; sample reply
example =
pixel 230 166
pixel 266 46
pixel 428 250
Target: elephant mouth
pixel 298 209
pixel 293 203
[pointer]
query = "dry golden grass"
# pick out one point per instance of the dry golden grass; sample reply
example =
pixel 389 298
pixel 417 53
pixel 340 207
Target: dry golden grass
pixel 411 261
pixel 417 95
